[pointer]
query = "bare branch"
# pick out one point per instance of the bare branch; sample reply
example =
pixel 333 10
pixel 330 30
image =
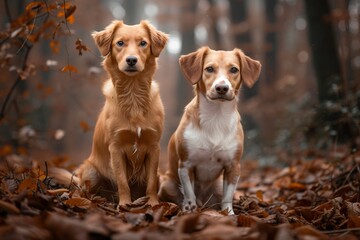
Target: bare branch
pixel 8 99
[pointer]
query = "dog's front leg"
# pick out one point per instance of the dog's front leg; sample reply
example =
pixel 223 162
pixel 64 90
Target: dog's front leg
pixel 118 163
pixel 151 166
pixel 231 178
pixel 189 202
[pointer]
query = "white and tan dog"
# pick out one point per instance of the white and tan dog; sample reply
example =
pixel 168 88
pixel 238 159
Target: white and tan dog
pixel 209 139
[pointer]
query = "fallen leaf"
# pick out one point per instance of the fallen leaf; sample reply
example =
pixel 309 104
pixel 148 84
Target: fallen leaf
pixel 28 184
pixel 138 202
pixel 78 202
pixel 9 207
pixel 220 231
pixel 310 232
pixel 63 227
pixel 259 195
pixel 298 187
pixel 245 220
pixel 57 191
pixel 354 221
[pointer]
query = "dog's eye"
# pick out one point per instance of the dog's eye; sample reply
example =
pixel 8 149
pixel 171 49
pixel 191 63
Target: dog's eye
pixel 234 70
pixel 120 43
pixel 209 69
pixel 143 43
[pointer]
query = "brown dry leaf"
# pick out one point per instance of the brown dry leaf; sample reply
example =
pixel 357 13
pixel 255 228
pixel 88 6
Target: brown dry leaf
pixel 308 231
pixel 6 150
pixel 297 187
pixel 94 223
pixel 325 206
pixel 306 213
pixel 187 224
pixel 249 203
pixel 283 182
pixel 353 208
pixel 116 225
pixel 63 227
pixel 135 218
pixel 221 231
pixel 353 222
pixel 9 185
pixel 57 191
pixel 169 209
pixel 78 202
pixel 9 207
pixel 28 184
pixel 259 195
pixel 26 227
pixel 138 202
pixel 245 220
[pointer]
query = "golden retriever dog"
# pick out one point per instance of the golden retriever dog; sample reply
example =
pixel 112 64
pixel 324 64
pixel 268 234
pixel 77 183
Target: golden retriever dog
pixel 126 139
pixel 209 139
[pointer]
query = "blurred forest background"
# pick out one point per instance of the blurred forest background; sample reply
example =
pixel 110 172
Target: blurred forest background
pixel 306 101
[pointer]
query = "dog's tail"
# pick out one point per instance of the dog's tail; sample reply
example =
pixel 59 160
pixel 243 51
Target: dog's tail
pixel 63 177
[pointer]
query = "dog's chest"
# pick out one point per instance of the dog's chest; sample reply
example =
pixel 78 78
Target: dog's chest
pixel 211 147
pixel 136 143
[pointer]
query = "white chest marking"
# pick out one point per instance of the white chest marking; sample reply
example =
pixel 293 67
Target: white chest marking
pixel 214 144
pixel 138 130
pixel 135 146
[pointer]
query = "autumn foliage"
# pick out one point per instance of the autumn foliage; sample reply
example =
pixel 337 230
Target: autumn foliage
pixel 40 21
pixel 311 199
pixel 315 196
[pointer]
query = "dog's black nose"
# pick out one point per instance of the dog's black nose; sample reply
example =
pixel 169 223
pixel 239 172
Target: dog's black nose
pixel 131 61
pixel 221 88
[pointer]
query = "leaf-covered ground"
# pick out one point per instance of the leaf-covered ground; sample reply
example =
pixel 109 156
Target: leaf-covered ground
pixel 310 199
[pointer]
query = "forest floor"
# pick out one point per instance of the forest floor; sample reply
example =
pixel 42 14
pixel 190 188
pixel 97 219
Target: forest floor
pixel 309 199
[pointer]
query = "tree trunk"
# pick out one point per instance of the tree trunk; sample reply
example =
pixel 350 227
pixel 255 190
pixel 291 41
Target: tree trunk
pixel 270 56
pixel 324 50
pixel 330 119
pixel 184 90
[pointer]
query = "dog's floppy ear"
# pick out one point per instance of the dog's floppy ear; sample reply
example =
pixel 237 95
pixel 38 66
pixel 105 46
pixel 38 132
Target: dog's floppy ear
pixel 250 69
pixel 192 64
pixel 104 38
pixel 158 39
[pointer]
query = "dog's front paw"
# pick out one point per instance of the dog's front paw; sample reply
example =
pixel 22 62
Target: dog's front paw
pixel 230 211
pixel 228 208
pixel 153 201
pixel 189 205
pixel 123 204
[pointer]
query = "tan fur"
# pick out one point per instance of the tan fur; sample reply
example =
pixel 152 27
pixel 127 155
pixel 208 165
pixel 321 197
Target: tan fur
pixel 127 133
pixel 194 67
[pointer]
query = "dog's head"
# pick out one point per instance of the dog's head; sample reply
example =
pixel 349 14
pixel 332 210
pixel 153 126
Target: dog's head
pixel 130 45
pixel 219 74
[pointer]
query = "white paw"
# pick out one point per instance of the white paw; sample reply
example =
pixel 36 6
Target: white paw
pixel 189 205
pixel 231 211
pixel 228 208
